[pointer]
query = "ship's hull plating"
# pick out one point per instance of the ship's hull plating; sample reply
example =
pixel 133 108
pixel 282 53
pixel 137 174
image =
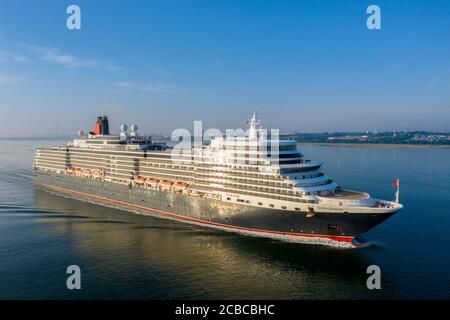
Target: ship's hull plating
pixel 250 220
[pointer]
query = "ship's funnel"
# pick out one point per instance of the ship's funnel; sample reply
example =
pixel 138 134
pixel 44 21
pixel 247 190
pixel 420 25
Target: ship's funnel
pixel 101 126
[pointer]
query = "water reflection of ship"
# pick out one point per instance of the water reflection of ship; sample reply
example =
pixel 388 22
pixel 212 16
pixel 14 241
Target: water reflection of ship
pixel 199 263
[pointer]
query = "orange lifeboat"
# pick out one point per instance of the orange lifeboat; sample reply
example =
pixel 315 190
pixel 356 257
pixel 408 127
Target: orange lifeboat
pixel 78 171
pixel 139 180
pixel 180 186
pixel 151 182
pixel 70 170
pixel 166 184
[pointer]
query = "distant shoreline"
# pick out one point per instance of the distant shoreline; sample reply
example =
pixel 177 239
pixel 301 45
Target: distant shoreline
pixel 376 145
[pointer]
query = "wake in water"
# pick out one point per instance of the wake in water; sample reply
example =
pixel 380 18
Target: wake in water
pixel 14 206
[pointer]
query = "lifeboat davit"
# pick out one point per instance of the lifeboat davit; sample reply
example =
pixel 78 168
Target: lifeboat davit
pixel 139 180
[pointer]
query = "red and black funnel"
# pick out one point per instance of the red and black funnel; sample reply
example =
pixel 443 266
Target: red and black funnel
pixel 101 126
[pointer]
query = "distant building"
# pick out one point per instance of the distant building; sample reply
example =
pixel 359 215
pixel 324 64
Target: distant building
pixel 429 137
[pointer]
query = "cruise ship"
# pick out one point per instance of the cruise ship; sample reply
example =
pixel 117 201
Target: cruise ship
pixel 255 184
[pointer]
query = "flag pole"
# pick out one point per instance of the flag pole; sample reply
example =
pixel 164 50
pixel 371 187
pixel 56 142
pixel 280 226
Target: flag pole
pixel 397 193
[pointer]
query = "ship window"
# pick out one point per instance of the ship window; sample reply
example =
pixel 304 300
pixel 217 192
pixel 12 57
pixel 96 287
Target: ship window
pixel 332 227
pixel 260 203
pixel 228 199
pixel 240 200
pixel 283 207
pixel 246 201
pixel 297 209
pixel 271 205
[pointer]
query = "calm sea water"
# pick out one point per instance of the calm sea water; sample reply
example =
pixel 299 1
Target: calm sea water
pixel 127 256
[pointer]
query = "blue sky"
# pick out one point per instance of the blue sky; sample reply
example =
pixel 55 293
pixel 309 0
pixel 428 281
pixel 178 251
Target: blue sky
pixel 306 65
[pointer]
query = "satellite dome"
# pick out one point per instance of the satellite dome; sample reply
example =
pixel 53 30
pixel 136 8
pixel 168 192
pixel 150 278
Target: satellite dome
pixel 123 128
pixel 134 128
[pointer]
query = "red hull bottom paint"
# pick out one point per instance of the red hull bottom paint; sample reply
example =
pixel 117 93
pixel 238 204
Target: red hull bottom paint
pixel 263 233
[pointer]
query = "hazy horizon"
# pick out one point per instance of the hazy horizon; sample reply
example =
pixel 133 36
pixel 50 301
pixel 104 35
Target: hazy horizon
pixel 168 133
pixel 311 66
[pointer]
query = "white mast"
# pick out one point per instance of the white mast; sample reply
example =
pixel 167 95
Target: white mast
pixel 254 127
